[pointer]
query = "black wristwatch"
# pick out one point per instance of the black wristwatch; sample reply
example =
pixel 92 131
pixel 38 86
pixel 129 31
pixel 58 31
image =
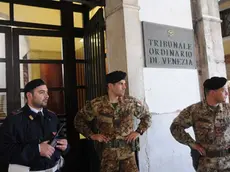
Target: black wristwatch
pixel 138 130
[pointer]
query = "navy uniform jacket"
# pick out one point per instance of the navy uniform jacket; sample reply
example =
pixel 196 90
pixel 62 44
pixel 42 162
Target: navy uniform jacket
pixel 21 133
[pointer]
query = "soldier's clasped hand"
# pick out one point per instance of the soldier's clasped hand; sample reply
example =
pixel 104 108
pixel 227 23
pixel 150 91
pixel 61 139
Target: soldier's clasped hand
pixel 132 136
pixel 99 138
pixel 200 149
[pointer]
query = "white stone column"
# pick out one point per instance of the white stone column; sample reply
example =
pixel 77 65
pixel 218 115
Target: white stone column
pixel 207 28
pixel 125 52
pixel 124 42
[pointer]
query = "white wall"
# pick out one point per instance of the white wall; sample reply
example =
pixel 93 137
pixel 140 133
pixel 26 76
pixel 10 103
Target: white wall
pixel 166 92
pixel 165 153
pixel 169 90
pixel 166 12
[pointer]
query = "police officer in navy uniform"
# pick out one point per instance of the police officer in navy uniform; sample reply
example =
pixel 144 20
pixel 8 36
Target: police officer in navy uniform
pixel 25 134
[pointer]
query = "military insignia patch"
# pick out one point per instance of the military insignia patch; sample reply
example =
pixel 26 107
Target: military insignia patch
pixel 31 117
pixel 139 103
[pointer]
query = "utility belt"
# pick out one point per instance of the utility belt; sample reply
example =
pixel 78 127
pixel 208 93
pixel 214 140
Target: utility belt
pixel 218 153
pixel 21 168
pixel 54 169
pixel 119 143
pixel 211 154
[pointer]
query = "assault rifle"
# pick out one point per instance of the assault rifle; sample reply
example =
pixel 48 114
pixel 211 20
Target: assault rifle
pixel 54 139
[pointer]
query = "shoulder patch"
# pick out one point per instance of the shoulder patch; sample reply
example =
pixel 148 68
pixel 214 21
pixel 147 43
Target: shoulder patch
pixel 16 112
pixel 139 103
pixel 31 117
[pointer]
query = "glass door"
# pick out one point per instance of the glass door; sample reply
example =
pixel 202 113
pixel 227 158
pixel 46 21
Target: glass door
pixel 38 54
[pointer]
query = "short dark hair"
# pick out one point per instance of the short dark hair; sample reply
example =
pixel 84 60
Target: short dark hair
pixel 206 91
pixel 30 86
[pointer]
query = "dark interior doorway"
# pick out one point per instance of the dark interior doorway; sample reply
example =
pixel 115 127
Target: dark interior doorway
pixel 68 55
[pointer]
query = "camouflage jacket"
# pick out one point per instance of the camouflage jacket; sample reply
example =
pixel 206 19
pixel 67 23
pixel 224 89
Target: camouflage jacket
pixel 114 122
pixel 211 125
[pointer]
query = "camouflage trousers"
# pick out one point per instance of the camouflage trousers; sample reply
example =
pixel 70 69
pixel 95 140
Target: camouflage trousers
pixel 217 164
pixel 111 163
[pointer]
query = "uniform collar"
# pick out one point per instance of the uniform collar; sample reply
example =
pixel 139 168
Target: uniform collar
pixel 120 100
pixel 35 110
pixel 32 114
pixel 218 108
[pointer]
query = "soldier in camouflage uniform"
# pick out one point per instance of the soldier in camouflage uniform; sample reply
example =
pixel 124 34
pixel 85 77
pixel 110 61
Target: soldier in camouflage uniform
pixel 114 121
pixel 210 119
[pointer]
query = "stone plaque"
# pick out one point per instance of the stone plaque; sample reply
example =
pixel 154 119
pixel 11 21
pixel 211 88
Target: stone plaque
pixel 168 46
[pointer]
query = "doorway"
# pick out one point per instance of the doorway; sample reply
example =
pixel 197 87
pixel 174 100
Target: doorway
pixel 69 56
